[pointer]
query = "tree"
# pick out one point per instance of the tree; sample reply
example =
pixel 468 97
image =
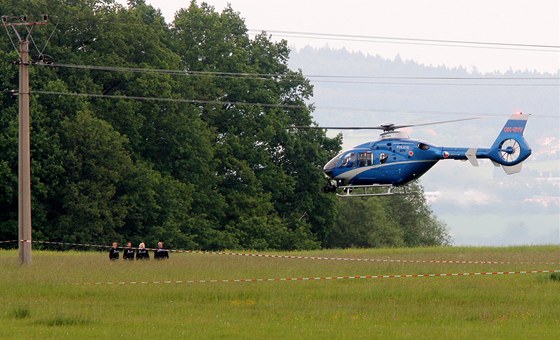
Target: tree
pixel 8 150
pixel 261 171
pixel 365 222
pixel 91 204
pixel 415 218
pixel 158 208
pixel 393 221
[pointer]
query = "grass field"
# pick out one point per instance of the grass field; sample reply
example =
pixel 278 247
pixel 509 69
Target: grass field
pixel 84 295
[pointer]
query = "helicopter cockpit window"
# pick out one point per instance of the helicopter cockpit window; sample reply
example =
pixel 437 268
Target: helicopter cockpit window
pixel 365 159
pixel 347 160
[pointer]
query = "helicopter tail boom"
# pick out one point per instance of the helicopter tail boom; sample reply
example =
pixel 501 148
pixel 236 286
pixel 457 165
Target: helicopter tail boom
pixel 509 150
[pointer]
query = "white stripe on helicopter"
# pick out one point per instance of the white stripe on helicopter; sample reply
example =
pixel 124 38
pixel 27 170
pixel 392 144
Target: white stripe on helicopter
pixel 354 172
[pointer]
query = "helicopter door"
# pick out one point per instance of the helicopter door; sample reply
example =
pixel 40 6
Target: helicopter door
pixel 365 159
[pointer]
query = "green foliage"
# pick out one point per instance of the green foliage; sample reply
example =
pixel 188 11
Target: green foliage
pixel 413 215
pixel 364 222
pixel 220 171
pixel 95 165
pixel 394 221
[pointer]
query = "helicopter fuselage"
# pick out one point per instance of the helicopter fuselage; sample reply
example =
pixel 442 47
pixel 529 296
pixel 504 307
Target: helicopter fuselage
pixel 395 159
pixel 387 161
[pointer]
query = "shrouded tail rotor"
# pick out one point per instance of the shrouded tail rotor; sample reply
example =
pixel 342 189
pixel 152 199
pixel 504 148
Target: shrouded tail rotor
pixel 510 150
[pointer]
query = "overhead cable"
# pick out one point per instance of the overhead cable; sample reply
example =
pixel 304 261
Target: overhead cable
pixel 286 106
pixel 263 76
pixel 414 41
pixel 176 100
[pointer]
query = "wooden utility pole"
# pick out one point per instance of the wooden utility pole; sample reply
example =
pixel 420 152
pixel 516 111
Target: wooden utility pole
pixel 24 161
pixel 24 165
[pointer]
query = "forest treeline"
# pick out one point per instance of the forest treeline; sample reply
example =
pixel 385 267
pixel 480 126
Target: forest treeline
pixel 124 148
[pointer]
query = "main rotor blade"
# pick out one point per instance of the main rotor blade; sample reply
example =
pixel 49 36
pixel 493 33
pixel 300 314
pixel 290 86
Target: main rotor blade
pixel 338 127
pixel 384 127
pixel 434 123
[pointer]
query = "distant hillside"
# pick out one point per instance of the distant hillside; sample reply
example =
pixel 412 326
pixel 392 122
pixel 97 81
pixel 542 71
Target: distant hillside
pixel 390 97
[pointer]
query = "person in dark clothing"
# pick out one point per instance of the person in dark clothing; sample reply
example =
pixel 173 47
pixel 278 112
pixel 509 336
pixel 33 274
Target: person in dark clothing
pixel 161 253
pixel 114 252
pixel 128 252
pixel 142 252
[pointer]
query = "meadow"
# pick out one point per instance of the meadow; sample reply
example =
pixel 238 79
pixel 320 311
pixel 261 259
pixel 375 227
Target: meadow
pixel 75 294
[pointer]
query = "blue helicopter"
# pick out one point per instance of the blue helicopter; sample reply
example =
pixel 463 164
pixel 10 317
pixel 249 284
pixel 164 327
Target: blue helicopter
pixel 394 160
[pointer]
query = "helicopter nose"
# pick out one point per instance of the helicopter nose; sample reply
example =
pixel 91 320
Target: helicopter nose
pixel 328 172
pixel 328 168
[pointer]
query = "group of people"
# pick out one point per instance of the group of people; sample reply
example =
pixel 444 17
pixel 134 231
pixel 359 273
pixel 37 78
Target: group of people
pixel 140 253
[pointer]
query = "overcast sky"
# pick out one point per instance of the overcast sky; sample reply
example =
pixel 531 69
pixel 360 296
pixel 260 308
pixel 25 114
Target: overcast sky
pixel 492 21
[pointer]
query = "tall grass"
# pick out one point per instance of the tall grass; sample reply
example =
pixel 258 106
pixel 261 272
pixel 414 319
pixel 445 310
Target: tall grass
pixel 67 294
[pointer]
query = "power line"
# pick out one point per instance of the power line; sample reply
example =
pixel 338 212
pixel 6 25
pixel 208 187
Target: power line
pixel 434 84
pixel 350 37
pixel 288 106
pixel 427 112
pixel 414 41
pixel 174 100
pixel 386 39
pixel 169 72
pixel 267 76
pixel 431 77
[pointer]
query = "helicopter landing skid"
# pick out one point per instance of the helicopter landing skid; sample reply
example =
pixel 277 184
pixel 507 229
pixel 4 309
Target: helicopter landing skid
pixel 370 190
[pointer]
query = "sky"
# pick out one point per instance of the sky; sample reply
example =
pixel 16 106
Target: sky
pixel 489 21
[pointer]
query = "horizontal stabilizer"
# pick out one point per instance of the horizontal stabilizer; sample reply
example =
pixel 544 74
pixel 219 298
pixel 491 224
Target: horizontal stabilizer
pixel 512 169
pixel 471 156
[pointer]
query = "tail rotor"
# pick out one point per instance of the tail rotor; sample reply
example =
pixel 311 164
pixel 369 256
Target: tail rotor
pixel 510 148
